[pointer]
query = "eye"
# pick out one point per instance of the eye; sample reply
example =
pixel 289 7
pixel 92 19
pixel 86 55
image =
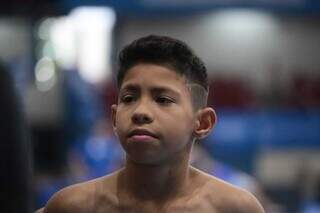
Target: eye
pixel 164 100
pixel 127 98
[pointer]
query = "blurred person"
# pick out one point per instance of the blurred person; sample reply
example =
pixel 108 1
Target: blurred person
pixel 313 205
pixel 201 159
pixel 97 155
pixel 62 150
pixel 161 112
pixel 15 194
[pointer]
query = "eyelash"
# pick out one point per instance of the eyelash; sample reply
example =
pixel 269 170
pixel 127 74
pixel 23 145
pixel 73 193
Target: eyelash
pixel 162 100
pixel 125 98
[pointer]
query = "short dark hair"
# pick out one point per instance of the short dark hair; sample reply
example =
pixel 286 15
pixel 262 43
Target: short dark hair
pixel 171 53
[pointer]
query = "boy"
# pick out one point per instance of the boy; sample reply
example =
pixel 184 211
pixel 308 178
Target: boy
pixel 161 112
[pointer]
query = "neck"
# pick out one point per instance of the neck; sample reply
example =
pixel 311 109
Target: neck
pixel 157 181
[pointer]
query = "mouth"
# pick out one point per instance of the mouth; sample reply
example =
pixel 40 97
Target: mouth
pixel 142 135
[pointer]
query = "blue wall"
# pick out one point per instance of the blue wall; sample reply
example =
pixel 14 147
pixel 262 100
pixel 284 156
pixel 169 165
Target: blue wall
pixel 240 135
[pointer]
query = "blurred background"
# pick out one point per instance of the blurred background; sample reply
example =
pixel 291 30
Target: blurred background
pixel 263 62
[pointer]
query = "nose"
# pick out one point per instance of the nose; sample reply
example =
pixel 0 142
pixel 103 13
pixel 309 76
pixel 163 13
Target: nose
pixel 142 114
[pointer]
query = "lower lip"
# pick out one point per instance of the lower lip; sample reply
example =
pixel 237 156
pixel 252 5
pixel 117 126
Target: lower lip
pixel 142 138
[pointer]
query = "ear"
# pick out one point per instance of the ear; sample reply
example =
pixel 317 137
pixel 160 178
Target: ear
pixel 113 117
pixel 206 120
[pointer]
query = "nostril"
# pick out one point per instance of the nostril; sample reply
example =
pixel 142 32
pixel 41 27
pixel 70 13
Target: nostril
pixel 141 118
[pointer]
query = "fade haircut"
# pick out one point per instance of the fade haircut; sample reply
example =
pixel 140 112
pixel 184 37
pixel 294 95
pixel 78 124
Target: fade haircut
pixel 171 53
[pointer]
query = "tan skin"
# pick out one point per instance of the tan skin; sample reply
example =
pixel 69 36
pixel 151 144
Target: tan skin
pixel 157 125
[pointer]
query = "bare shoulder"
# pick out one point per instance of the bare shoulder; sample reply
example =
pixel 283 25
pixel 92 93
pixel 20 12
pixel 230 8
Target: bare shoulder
pixel 82 197
pixel 225 197
pixel 75 198
pixel 39 210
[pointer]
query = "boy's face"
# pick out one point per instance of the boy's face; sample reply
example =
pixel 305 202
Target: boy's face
pixel 154 118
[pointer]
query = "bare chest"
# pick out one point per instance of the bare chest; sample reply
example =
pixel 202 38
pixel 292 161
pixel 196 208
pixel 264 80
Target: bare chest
pixel 191 206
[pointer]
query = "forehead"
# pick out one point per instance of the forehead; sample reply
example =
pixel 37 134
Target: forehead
pixel 154 76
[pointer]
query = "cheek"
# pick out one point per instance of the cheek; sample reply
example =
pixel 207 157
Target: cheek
pixel 178 127
pixel 121 122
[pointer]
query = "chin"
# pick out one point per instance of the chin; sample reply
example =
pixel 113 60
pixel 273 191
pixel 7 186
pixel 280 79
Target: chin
pixel 144 159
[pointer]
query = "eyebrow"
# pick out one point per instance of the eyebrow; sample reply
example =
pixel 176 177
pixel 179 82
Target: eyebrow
pixel 130 87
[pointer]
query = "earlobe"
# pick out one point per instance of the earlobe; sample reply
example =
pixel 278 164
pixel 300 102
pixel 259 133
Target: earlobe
pixel 205 122
pixel 113 117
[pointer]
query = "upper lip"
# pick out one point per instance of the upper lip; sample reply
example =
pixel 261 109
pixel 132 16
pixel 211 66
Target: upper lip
pixel 142 132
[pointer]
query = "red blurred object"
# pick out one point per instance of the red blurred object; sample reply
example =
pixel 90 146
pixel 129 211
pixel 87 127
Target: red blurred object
pixel 305 91
pixel 230 92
